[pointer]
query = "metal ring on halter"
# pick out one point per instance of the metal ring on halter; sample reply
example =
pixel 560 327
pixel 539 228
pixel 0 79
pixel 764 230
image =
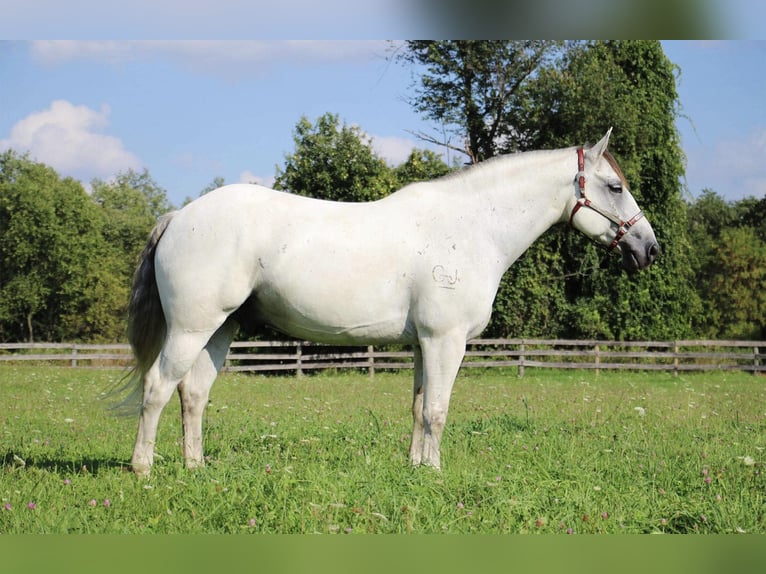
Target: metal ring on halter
pixel 583 201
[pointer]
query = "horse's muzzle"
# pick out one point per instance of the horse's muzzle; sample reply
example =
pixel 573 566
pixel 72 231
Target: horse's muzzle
pixel 640 257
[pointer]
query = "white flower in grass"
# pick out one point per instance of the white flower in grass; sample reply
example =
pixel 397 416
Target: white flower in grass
pixel 640 410
pixel 748 460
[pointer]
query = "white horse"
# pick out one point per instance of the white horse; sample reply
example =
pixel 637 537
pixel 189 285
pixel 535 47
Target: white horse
pixel 421 266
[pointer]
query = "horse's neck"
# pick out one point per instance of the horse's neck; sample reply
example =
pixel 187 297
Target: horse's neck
pixel 523 196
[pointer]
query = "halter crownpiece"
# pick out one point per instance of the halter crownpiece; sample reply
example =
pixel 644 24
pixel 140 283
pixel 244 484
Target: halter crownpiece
pixel 583 201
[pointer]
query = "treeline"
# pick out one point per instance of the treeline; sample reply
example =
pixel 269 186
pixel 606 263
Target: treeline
pixel 67 256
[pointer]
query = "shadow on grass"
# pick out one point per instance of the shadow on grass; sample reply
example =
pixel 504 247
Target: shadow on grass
pixel 93 466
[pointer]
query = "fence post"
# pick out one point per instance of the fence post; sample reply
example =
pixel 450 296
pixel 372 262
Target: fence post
pixel 675 358
pixel 299 359
pixel 521 359
pixel 74 355
pixel 370 361
pixel 756 363
pixel 597 357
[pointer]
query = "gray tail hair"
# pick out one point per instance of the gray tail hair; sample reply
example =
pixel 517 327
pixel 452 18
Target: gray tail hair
pixel 146 321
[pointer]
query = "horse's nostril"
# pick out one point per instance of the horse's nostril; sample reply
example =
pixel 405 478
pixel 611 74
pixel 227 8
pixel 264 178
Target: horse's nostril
pixel 653 252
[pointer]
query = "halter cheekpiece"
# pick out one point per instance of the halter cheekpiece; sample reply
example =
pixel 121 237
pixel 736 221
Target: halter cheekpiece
pixel 583 201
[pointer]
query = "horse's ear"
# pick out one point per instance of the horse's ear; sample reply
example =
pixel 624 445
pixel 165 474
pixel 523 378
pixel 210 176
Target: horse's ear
pixel 598 150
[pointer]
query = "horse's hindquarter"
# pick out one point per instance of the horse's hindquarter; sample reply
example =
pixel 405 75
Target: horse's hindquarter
pixel 330 271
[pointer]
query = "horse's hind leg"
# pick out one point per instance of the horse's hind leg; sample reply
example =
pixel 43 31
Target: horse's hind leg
pixel 194 390
pixel 178 355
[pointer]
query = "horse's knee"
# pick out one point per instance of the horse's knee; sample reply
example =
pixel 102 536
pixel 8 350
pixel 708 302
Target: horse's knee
pixel 193 399
pixel 156 395
pixel 434 418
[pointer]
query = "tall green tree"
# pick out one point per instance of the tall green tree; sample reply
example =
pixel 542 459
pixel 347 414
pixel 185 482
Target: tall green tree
pixel 629 85
pixel 737 281
pixel 729 266
pixel 750 212
pixel 130 205
pixel 475 89
pixel 334 161
pixel 55 282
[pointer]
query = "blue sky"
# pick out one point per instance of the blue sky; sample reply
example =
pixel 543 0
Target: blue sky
pixel 189 111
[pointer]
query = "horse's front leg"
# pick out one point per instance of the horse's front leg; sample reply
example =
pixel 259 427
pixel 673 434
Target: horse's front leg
pixel 418 425
pixel 441 357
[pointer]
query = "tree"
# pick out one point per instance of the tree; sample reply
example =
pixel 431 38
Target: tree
pixel 629 85
pixel 54 280
pixel 729 266
pixel 749 212
pixel 476 89
pixel 737 281
pixel 420 165
pixel 130 204
pixel 334 162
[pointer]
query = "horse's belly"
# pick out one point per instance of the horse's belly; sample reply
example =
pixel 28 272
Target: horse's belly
pixel 343 311
pixel 334 324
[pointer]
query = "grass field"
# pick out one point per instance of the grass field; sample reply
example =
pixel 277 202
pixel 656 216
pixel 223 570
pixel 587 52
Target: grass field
pixel 553 452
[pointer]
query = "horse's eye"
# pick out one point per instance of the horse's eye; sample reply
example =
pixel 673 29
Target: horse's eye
pixel 615 187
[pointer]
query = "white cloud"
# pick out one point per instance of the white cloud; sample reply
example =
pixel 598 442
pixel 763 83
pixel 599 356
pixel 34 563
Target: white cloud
pixel 393 149
pixel 69 138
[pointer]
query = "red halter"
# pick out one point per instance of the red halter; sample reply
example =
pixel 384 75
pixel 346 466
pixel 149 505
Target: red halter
pixel 583 201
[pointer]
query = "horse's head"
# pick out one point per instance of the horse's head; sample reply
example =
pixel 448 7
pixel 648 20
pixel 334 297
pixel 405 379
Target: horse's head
pixel 604 209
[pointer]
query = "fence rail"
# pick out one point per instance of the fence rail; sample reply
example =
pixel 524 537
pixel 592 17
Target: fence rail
pixel 300 357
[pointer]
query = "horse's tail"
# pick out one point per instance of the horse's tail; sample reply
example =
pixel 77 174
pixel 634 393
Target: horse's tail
pixel 146 319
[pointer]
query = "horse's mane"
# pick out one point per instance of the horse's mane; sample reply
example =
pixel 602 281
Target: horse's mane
pixel 518 155
pixel 613 163
pixel 503 157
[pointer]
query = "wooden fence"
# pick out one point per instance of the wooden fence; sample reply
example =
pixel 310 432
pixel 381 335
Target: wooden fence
pixel 300 357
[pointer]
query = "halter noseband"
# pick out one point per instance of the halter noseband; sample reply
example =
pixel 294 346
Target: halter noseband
pixel 622 226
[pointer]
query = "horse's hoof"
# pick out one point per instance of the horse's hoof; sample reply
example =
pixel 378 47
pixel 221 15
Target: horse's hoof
pixel 142 470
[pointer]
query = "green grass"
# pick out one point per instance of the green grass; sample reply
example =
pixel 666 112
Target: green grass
pixel 553 452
